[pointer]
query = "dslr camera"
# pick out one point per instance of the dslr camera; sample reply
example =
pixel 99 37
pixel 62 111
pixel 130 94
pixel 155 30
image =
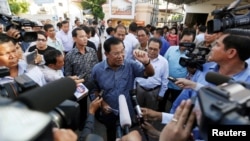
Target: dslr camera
pixel 196 56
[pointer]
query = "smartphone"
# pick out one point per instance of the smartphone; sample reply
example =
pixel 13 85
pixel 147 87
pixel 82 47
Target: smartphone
pixel 193 100
pixel 172 79
pixel 82 75
pixel 81 91
pixel 30 58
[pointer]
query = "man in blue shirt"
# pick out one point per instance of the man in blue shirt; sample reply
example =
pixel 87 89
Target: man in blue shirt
pixel 229 54
pixel 158 33
pixel 173 55
pixel 115 76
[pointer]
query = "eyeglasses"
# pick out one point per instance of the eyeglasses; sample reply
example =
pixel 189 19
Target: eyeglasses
pixel 152 49
pixel 117 54
pixel 43 40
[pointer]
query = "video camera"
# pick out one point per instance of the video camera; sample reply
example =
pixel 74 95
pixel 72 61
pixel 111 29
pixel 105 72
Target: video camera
pixel 12 88
pixel 17 23
pixel 226 104
pixel 229 18
pixel 65 115
pixel 196 56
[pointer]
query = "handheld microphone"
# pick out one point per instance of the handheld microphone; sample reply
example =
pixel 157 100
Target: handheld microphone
pixel 136 105
pixel 119 133
pixel 216 78
pixel 138 111
pixel 49 96
pixel 124 115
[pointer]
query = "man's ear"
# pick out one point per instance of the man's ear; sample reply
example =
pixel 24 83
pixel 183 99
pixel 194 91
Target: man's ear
pixel 51 66
pixel 231 52
pixel 106 54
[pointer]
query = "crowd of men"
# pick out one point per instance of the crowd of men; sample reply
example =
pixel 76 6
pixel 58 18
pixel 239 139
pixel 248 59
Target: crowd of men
pixel 134 58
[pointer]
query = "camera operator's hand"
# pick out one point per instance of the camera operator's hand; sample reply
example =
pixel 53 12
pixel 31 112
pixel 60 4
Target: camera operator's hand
pixel 132 136
pixel 64 135
pixel 105 107
pixel 95 105
pixel 149 114
pixel 185 83
pixel 141 56
pixel 76 79
pixel 151 131
pixel 38 58
pixel 14 33
pixel 179 129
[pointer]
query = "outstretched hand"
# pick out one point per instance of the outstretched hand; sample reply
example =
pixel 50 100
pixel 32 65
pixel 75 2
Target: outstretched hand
pixel 95 105
pixel 179 129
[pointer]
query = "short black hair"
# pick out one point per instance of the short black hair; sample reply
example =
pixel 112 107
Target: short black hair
pixel 95 22
pixel 109 30
pixel 188 31
pixel 65 22
pixel 155 40
pixel 159 31
pixel 51 55
pixel 144 29
pixel 93 31
pixel 42 33
pixel 111 41
pixel 74 32
pixel 132 27
pixel 202 28
pixel 238 42
pixel 5 39
pixel 85 28
pixel 47 27
pixel 59 24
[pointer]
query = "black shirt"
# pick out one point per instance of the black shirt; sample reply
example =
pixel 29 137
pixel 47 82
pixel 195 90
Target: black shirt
pixel 32 48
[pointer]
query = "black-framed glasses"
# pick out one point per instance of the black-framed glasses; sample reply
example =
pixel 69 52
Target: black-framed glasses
pixel 43 40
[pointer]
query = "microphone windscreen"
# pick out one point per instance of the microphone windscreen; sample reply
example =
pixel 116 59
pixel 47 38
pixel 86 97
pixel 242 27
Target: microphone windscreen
pixel 216 78
pixel 124 112
pixel 49 96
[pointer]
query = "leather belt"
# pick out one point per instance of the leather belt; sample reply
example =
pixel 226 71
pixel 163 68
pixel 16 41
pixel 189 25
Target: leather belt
pixel 150 89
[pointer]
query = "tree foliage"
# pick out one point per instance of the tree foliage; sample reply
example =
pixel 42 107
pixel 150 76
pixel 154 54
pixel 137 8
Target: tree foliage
pixel 95 6
pixel 17 7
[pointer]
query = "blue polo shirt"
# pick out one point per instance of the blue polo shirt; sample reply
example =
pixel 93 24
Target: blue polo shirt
pixel 199 77
pixel 173 56
pixel 116 82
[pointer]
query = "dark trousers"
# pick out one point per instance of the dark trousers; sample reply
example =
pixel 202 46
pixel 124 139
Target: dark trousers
pixel 147 98
pixel 171 95
pixel 110 122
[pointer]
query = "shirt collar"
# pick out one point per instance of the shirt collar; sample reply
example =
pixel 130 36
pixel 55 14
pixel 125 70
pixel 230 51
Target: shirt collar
pixel 22 67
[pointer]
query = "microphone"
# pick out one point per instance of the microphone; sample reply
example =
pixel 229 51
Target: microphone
pixel 49 96
pixel 216 78
pixel 124 115
pixel 138 111
pixel 136 106
pixel 119 133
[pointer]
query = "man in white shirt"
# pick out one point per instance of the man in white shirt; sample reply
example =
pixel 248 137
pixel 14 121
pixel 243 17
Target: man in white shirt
pixel 109 24
pixel 200 35
pixel 151 90
pixel 131 40
pixel 51 37
pixel 65 36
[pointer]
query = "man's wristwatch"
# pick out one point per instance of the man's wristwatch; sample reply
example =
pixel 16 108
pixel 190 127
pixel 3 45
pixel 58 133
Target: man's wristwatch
pixel 147 63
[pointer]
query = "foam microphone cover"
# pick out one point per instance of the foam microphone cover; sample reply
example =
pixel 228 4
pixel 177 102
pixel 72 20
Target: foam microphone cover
pixel 216 78
pixel 124 112
pixel 49 96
